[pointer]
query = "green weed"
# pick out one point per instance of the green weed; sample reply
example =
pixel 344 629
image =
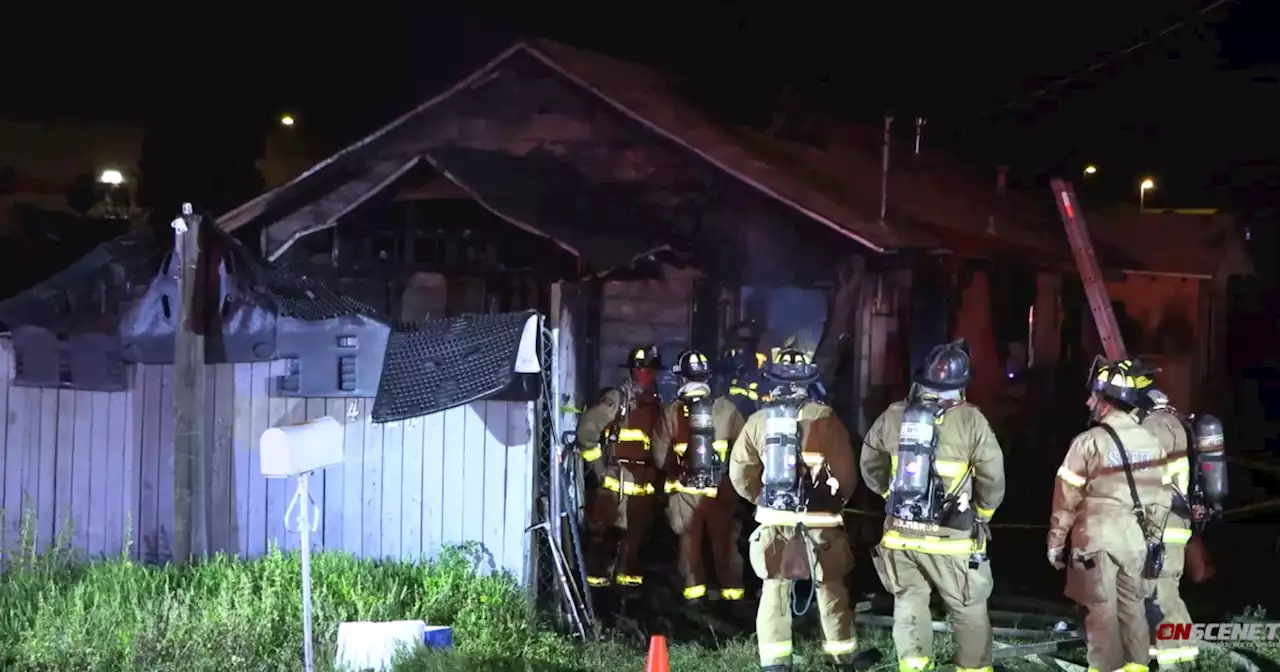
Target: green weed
pixel 62 612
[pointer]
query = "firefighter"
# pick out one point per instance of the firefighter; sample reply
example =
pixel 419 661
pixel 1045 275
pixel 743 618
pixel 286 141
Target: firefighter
pixel 1167 424
pixel 794 462
pixel 940 469
pixel 1190 507
pixel 1112 498
pixel 615 437
pixel 699 428
pixel 742 380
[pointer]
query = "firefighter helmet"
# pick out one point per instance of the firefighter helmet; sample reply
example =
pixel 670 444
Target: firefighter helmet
pixel 745 334
pixel 1156 400
pixel 693 365
pixel 791 366
pixel 947 367
pixel 739 359
pixel 644 358
pixel 1123 380
pixel 1151 398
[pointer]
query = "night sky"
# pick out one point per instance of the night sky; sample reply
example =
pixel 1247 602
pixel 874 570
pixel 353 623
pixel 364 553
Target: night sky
pixel 1194 108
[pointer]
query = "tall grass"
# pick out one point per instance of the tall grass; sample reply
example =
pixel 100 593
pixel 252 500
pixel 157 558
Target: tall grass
pixel 60 612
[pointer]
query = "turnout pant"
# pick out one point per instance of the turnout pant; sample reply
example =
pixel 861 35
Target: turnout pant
pixel 911 576
pixel 834 560
pixel 690 516
pixel 1170 652
pixel 1110 586
pixel 619 515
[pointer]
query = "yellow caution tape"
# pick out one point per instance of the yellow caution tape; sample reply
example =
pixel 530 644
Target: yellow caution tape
pixel 1255 464
pixel 1250 508
pixel 1232 513
pixel 993 525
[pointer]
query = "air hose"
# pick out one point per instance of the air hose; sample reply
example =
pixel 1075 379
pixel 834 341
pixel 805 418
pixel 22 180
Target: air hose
pixel 812 556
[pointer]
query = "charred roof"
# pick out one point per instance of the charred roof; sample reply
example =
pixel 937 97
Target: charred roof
pixel 540 101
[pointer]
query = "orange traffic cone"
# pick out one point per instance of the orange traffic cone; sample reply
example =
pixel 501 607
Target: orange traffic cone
pixel 657 660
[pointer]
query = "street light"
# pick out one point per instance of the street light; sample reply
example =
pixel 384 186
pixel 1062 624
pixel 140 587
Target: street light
pixel 111 177
pixel 1090 169
pixel 1148 183
pixel 286 120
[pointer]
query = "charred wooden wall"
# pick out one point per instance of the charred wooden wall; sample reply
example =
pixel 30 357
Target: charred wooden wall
pixel 636 313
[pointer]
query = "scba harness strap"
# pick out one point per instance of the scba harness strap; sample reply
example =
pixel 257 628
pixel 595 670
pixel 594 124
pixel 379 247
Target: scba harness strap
pixel 1154 564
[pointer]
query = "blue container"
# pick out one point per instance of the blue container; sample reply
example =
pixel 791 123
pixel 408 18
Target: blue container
pixel 438 637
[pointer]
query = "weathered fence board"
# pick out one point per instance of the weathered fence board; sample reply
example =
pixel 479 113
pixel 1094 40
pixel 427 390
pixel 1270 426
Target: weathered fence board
pixel 95 471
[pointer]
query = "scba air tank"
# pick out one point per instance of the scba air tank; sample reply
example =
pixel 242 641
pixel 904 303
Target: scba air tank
pixel 913 483
pixel 1211 460
pixel 703 461
pixel 781 457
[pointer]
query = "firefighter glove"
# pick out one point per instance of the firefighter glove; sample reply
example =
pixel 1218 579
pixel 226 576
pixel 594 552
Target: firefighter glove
pixel 1055 558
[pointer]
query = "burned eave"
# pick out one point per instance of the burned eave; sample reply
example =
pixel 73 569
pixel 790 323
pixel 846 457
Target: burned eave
pixel 355 188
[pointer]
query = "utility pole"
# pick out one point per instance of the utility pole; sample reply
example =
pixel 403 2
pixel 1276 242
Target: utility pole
pixel 190 468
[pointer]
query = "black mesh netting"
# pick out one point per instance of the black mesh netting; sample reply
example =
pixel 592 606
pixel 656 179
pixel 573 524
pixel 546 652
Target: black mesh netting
pixel 440 364
pixel 311 300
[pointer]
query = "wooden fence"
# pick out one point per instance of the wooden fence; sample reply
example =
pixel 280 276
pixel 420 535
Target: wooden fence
pixel 93 469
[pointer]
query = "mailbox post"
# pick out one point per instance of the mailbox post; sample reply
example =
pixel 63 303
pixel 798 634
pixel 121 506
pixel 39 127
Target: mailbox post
pixel 297 451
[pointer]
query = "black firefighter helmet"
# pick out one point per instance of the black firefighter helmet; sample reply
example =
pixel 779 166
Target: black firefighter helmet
pixel 693 365
pixel 646 357
pixel 1122 380
pixel 947 367
pixel 740 345
pixel 791 366
pixel 745 334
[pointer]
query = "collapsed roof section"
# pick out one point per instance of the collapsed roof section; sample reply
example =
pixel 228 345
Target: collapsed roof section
pixel 607 159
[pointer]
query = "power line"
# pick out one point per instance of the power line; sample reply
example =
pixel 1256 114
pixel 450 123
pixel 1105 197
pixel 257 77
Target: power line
pixel 1115 56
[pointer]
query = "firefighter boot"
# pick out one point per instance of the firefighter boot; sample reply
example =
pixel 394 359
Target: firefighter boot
pixel 864 660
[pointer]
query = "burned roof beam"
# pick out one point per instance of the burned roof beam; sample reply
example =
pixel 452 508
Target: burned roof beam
pixel 324 213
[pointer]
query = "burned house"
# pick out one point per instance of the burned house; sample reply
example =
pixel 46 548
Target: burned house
pixel 664 225
pixel 551 182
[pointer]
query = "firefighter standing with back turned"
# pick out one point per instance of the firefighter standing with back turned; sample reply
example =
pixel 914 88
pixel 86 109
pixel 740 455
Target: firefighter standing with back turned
pixel 935 460
pixel 1111 496
pixel 795 462
pixel 615 438
pixel 1193 502
pixel 700 427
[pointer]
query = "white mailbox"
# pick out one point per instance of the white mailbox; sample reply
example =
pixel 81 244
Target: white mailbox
pixel 293 450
